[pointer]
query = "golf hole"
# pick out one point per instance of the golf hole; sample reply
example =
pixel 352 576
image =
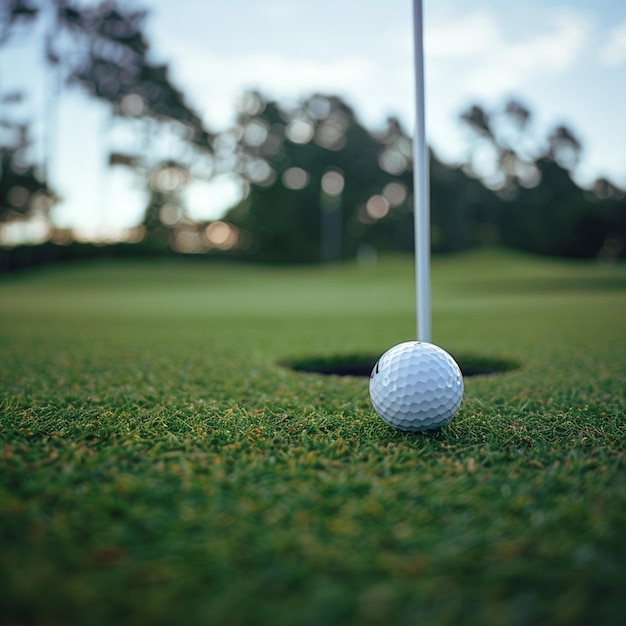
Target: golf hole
pixel 361 364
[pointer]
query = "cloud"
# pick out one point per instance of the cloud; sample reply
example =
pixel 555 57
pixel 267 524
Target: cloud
pixel 218 82
pixel 484 54
pixel 613 53
pixel 293 75
pixel 556 50
pixel 494 62
pixel 471 36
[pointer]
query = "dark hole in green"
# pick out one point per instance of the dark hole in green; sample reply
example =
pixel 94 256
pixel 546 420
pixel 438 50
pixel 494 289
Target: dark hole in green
pixel 361 364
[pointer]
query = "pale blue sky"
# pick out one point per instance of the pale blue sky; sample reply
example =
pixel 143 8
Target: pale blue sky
pixel 565 59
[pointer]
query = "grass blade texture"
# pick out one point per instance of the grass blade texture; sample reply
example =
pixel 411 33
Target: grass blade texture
pixel 160 465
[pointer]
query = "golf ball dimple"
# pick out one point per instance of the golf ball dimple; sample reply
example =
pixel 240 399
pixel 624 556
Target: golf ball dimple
pixel 416 386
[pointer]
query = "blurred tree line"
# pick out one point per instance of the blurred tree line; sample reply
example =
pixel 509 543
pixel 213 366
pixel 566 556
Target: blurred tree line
pixel 316 184
pixel 102 50
pixel 509 192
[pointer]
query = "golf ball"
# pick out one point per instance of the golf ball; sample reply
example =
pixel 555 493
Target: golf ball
pixel 416 386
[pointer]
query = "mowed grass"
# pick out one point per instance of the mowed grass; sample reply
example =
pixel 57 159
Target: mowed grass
pixel 158 465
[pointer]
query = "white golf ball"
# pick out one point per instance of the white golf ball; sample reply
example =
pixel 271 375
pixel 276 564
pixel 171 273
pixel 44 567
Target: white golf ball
pixel 416 386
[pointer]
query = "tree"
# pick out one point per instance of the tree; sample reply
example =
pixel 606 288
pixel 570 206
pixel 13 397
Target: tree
pixel 102 48
pixel 319 184
pixel 14 13
pixel 463 212
pixel 113 64
pixel 24 190
pixel 23 193
pixel 542 209
pixel 502 153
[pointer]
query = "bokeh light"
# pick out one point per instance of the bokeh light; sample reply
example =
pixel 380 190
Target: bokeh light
pixel 333 183
pixel 300 131
pixel 260 172
pixel 132 105
pixel 189 241
pixel 393 162
pixel 222 235
pixel 377 207
pixel 395 194
pixel 255 133
pixel 169 178
pixel 170 214
pixel 295 178
pixel 331 133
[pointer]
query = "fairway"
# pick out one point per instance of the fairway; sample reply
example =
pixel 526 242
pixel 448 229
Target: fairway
pixel 159 464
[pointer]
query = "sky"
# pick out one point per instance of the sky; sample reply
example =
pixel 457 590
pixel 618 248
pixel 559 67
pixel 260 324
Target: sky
pixel 566 60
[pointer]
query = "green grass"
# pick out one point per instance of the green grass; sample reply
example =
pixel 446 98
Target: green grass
pixel 159 466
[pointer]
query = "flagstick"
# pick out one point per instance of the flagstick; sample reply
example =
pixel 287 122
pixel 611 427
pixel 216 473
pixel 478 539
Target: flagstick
pixel 421 187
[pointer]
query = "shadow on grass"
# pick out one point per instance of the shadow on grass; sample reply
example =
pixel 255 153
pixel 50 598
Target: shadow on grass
pixel 361 364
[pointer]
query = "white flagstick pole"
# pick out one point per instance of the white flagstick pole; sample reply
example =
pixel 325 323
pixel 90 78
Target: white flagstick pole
pixel 421 194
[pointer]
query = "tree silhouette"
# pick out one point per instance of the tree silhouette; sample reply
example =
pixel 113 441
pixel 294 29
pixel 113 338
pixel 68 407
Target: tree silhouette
pixel 500 156
pixel 102 48
pixel 543 210
pixel 14 13
pixel 564 148
pixel 24 190
pixel 318 184
pixel 318 181
pixel 113 64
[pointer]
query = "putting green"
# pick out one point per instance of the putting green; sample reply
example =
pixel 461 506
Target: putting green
pixel 160 465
